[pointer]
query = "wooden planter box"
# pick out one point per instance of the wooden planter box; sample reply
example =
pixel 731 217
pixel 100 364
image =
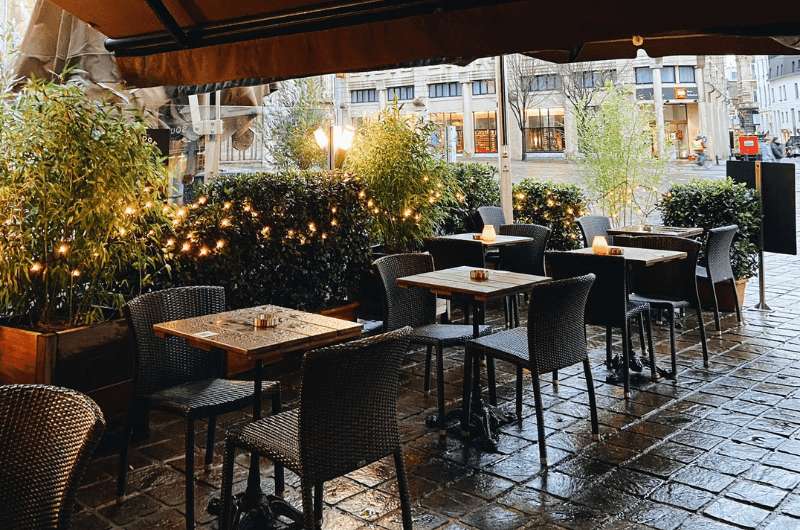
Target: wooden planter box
pixel 96 360
pixel 725 299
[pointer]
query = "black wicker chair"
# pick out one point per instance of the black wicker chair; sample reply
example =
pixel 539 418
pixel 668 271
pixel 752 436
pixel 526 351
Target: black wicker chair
pixel 669 286
pixel 449 253
pixel 47 436
pixel 592 226
pixel 527 258
pixel 715 268
pixel 173 377
pixel 555 338
pixel 492 215
pixel 347 419
pixel 608 304
pixel 417 308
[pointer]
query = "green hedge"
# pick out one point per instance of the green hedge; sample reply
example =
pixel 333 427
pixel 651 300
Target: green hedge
pixel 553 205
pixel 298 239
pixel 477 186
pixel 710 204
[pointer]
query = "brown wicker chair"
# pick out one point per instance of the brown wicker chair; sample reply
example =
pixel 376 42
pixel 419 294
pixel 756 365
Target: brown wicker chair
pixel 47 436
pixel 347 419
pixel 555 338
pixel 173 377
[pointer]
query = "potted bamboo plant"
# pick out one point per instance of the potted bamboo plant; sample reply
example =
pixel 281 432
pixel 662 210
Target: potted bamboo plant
pixel 80 224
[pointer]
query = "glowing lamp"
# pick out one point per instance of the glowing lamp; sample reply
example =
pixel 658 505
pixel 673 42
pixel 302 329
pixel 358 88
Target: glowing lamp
pixel 600 246
pixel 488 233
pixel 321 138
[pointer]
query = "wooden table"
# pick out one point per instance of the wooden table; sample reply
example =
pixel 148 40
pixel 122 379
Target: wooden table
pixel 499 240
pixel 656 230
pixel 233 333
pixel 456 281
pixel 642 256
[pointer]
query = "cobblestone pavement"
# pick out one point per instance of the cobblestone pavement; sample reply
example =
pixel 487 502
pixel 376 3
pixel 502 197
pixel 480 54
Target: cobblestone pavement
pixel 717 449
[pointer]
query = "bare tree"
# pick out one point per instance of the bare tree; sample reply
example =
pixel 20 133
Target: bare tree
pixel 520 72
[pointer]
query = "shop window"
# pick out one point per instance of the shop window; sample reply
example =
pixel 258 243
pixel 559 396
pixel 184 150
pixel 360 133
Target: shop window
pixel 644 76
pixel 485 132
pixel 545 130
pixel 483 86
pixel 686 74
pixel 445 119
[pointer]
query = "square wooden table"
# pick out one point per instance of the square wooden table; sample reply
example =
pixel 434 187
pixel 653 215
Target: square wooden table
pixel 233 333
pixel 656 230
pixel 499 241
pixel 642 256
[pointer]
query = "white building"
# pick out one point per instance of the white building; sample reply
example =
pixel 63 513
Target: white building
pixel 778 80
pixel 689 90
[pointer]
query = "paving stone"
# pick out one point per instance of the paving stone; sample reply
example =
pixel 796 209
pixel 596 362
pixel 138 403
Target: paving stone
pixel 483 485
pixel 682 496
pixel 782 522
pixel 698 522
pixel 702 478
pixel 656 515
pixel 495 517
pixel 129 509
pixel 774 476
pixel 633 482
pixel 736 512
pixel 753 493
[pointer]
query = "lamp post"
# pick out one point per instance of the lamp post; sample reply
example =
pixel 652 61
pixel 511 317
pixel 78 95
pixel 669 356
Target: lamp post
pixel 334 139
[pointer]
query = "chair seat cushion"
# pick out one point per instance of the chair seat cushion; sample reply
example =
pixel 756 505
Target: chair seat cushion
pixel 636 306
pixel 370 327
pixel 275 437
pixel 207 397
pixel 659 302
pixel 446 334
pixel 510 345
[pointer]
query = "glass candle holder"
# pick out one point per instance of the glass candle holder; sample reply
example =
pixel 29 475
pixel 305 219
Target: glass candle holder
pixel 600 246
pixel 488 233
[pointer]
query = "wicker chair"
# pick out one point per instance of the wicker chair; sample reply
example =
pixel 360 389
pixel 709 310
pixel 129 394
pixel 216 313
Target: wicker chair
pixel 593 225
pixel 670 286
pixel 173 377
pixel 527 258
pixel 555 339
pixel 347 419
pixel 716 267
pixel 608 304
pixel 492 215
pixel 449 253
pixel 47 436
pixel 417 308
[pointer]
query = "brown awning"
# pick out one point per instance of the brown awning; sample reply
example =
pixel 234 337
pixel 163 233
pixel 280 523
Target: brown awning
pixel 207 41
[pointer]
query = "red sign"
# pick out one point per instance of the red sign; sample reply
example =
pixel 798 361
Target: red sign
pixel 748 145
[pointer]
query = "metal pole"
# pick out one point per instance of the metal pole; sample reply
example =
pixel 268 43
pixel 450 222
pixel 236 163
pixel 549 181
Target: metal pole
pixel 331 149
pixel 762 295
pixel 502 148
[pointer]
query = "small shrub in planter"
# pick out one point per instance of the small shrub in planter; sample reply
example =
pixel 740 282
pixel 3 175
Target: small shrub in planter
pixel 296 239
pixel 712 203
pixel 553 205
pixel 477 186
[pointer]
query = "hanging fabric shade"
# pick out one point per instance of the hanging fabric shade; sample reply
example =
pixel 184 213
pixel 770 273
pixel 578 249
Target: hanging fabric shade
pixel 170 42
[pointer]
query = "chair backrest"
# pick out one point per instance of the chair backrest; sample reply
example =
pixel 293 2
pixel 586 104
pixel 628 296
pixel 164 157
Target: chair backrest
pixel 47 436
pixel 492 215
pixel 527 257
pixel 718 252
pixel 593 225
pixel 405 306
pixel 608 298
pixel 449 253
pixel 556 323
pixel 672 280
pixel 348 404
pixel 164 362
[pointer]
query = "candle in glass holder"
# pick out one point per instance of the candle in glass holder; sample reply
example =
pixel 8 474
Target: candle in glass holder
pixel 600 246
pixel 488 233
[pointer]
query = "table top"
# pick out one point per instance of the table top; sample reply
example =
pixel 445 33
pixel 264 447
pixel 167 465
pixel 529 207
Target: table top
pixel 447 282
pixel 498 242
pixel 234 332
pixel 642 256
pixel 657 230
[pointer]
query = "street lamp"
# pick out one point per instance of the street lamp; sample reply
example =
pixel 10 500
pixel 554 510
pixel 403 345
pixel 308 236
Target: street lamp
pixel 342 141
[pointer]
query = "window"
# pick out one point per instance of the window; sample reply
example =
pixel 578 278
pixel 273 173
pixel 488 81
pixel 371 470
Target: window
pixel 444 90
pixel 541 83
pixel 545 131
pixel 485 132
pixel 483 86
pixel 595 78
pixel 686 74
pixel 400 93
pixel 367 95
pixel 444 119
pixel 668 74
pixel 644 76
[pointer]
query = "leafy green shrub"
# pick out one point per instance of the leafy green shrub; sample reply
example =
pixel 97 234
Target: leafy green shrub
pixel 553 205
pixel 295 239
pixel 80 190
pixel 404 181
pixel 477 186
pixel 709 204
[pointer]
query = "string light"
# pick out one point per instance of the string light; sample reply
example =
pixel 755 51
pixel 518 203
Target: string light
pixel 225 222
pixel 122 230
pixel 334 222
pixel 204 250
pixel 220 243
pixel 63 248
pixel 265 231
pixel 186 247
pixel 36 267
pixel 76 273
pixel 312 227
pixel 202 200
pixel 227 205
pixel 171 242
pixel 148 204
pixel 130 210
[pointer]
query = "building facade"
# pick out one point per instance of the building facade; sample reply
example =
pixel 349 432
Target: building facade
pixel 688 91
pixel 778 94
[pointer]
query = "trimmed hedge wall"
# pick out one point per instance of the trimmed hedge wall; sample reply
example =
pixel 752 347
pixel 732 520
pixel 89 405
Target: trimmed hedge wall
pixel 477 186
pixel 553 205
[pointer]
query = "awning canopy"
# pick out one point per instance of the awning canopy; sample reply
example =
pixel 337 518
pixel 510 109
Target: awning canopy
pixel 179 42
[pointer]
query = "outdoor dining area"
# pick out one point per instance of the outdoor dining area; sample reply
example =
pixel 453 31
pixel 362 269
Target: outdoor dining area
pixel 386 339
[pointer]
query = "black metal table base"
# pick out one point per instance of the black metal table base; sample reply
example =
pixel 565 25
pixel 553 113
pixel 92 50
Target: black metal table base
pixel 270 512
pixel 482 431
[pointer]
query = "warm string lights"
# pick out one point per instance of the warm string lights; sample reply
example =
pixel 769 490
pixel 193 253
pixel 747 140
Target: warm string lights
pixel 556 206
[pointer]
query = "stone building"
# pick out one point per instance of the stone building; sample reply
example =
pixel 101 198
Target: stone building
pixel 778 94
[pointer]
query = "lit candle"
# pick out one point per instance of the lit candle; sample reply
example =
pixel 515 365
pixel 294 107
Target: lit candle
pixel 488 233
pixel 600 246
